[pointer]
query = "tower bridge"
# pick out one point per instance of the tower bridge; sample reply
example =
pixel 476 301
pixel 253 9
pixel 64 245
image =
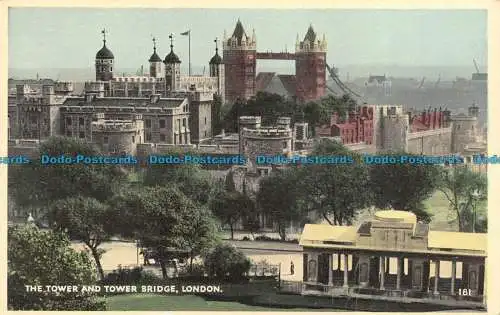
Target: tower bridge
pixel 275 56
pixel 240 58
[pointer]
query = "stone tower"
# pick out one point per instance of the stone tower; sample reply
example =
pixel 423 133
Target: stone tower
pixel 155 63
pixel 172 69
pixel 310 72
pixel 464 129
pixel 240 63
pixel 104 62
pixel 216 66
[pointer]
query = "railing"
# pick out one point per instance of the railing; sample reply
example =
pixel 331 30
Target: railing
pixel 263 270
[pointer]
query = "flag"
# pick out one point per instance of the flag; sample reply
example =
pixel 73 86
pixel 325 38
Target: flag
pixel 186 33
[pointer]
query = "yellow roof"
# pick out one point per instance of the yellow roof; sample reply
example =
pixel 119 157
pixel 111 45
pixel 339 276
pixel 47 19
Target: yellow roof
pixel 458 240
pixel 326 232
pixel 396 216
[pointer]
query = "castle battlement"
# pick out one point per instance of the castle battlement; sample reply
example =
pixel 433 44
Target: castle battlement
pixel 63 87
pixel 283 121
pixel 32 143
pixel 267 132
pixel 197 96
pixel 114 126
pixel 250 119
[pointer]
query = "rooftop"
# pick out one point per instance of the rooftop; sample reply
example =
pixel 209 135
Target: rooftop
pixel 438 242
pixel 125 101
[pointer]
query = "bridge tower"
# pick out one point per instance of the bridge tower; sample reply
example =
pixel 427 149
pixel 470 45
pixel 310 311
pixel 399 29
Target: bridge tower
pixel 310 63
pixel 239 64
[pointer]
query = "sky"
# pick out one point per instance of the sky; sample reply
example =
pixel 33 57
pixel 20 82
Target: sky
pixel 70 37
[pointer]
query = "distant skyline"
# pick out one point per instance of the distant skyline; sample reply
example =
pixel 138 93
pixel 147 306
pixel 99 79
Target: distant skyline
pixel 70 37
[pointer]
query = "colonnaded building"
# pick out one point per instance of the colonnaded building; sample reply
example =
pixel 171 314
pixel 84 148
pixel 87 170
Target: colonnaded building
pixel 393 258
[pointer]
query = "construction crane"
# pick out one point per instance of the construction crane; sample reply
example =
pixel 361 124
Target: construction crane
pixel 421 83
pixel 437 82
pixel 475 65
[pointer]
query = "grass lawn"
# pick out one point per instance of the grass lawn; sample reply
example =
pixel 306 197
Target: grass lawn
pixel 154 302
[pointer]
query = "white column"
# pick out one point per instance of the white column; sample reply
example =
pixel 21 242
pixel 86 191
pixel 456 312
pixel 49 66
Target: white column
pixel 453 275
pixel 436 276
pixel 398 279
pixel 330 269
pixel 382 272
pixel 346 270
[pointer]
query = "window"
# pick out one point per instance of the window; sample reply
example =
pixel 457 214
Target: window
pixel 205 120
pixel 162 123
pixel 69 133
pixel 82 134
pixel 178 123
pixel 162 137
pixel 133 139
pixel 81 121
pixel 148 123
pixel 33 120
pixel 184 122
pixel 205 133
pixel 105 140
pixel 148 136
pixel 68 121
pixel 285 145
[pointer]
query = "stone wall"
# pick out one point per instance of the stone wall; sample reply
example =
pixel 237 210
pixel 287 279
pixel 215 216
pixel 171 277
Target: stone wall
pixel 430 142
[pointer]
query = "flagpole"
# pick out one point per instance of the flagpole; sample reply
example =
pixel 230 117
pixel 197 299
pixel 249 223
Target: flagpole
pixel 189 51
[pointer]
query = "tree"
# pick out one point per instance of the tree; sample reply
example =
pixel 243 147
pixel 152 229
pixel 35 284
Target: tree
pixel 43 258
pixel 191 179
pixel 336 189
pixel 277 199
pixel 465 191
pixel 37 185
pixel 226 261
pixel 267 105
pixel 84 219
pixel 161 219
pixel 404 186
pixel 202 234
pixel 231 207
pixel 318 113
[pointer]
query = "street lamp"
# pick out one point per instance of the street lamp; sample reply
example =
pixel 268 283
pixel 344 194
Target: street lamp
pixel 475 196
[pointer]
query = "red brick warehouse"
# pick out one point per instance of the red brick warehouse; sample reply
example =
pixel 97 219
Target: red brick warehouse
pixel 240 60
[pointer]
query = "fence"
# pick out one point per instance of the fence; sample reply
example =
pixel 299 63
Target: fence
pixel 264 270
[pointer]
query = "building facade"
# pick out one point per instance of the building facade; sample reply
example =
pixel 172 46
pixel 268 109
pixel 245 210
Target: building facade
pixel 395 258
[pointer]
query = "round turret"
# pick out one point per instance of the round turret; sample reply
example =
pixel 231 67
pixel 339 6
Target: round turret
pixel 172 58
pixel 154 57
pixel 104 53
pixel 216 59
pixel 104 60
